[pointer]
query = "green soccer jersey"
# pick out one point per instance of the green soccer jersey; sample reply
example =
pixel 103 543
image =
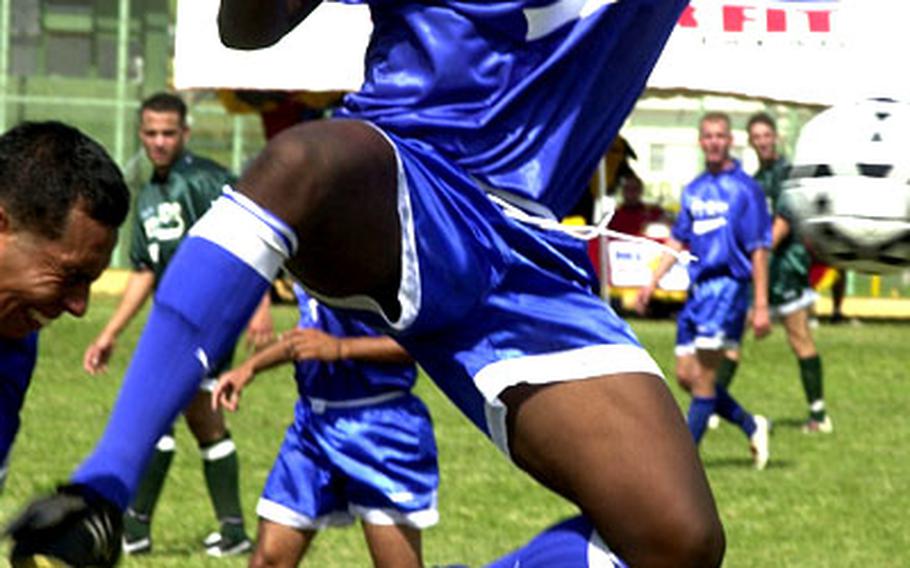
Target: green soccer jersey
pixel 166 209
pixel 790 261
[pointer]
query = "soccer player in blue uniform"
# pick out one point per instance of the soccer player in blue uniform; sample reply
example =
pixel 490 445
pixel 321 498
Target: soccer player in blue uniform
pixel 62 200
pixel 361 444
pixel 401 210
pixel 724 220
pixel 17 361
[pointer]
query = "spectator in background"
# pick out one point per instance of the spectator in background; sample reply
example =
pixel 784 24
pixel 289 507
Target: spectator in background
pixel 633 215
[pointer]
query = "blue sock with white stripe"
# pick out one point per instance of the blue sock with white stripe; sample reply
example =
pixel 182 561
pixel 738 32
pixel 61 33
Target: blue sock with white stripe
pixel 700 410
pixel 573 542
pixel 205 299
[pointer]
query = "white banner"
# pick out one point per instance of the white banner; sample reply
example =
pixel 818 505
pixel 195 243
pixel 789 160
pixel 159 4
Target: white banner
pixel 815 52
pixel 807 51
pixel 324 53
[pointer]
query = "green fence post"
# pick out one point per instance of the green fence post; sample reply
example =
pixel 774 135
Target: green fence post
pixel 4 59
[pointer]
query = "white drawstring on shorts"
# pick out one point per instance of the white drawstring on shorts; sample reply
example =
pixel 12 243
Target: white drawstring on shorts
pixel 589 232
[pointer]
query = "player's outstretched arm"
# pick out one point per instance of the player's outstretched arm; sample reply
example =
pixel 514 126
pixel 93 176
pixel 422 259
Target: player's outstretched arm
pixel 231 383
pixel 309 343
pixel 253 24
pixel 73 527
pixel 667 261
pixel 139 286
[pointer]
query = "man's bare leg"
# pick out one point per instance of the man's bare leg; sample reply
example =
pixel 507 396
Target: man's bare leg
pixel 617 447
pixel 280 546
pixel 393 546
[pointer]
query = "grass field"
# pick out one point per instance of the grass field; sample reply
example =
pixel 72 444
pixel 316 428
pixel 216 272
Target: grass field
pixel 838 500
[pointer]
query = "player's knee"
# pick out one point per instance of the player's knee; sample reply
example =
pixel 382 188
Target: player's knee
pixel 700 545
pixel 261 558
pixel 683 537
pixel 685 377
pixel 691 545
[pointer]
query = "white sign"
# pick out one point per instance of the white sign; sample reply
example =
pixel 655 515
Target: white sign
pixel 632 264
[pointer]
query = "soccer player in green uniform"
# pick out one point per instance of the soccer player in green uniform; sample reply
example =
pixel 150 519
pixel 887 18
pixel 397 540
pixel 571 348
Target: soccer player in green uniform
pixel 791 296
pixel 181 189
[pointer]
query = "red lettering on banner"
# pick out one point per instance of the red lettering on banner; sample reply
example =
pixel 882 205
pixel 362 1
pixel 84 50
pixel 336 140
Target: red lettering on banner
pixel 735 18
pixel 819 20
pixel 777 20
pixel 687 19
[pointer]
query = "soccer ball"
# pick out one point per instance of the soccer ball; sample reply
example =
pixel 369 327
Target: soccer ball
pixel 849 187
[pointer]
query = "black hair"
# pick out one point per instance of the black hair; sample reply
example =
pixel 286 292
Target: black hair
pixel 48 168
pixel 761 118
pixel 165 102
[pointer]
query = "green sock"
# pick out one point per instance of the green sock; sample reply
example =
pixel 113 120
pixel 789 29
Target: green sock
pixel 140 512
pixel 725 372
pixel 221 467
pixel 810 372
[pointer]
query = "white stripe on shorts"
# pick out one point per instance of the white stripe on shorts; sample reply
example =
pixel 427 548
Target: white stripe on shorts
pixel 409 295
pixel 582 363
pixel 571 365
pixel 319 405
pixel 416 519
pixel 717 343
pixel 805 300
pixel 599 554
pixel 278 513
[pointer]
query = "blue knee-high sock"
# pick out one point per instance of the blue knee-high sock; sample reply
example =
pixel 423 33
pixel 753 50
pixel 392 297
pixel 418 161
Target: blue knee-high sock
pixel 211 287
pixel 700 410
pixel 730 410
pixel 570 543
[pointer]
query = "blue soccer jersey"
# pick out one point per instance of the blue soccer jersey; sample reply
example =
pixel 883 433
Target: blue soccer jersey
pixel 523 95
pixel 347 379
pixel 17 361
pixel 723 218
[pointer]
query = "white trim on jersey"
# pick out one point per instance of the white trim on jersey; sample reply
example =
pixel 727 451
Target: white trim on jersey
pixel 547 19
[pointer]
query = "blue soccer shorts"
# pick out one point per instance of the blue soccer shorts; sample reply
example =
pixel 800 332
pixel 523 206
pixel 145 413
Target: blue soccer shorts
pixel 488 302
pixel 714 316
pixel 339 461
